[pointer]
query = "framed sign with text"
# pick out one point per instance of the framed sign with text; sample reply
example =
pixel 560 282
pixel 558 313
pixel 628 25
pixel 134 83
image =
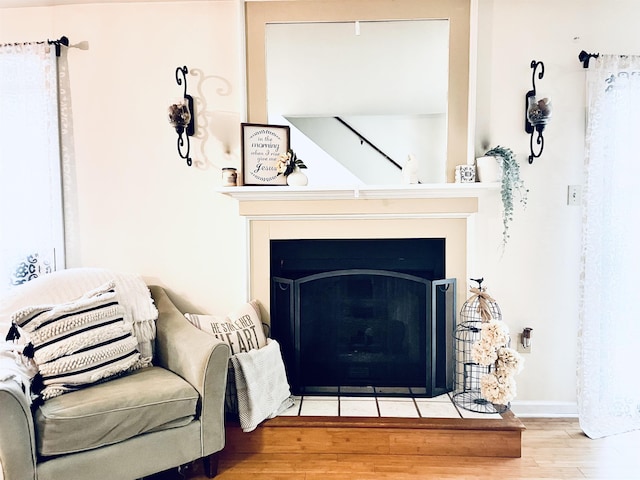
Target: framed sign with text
pixel 261 147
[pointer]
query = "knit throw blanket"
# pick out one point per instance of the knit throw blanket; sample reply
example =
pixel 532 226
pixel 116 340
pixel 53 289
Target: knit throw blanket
pixel 14 367
pixel 261 384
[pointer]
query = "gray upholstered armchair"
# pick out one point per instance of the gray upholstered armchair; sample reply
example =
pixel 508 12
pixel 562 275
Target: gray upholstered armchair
pixel 151 420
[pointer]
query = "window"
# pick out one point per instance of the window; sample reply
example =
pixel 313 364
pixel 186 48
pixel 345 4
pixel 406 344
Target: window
pixel 31 218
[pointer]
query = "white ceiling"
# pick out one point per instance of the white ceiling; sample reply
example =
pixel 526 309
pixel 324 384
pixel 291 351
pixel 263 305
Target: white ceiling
pixel 51 3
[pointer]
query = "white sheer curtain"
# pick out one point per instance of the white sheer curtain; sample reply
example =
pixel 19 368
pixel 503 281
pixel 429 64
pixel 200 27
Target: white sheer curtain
pixel 609 337
pixel 31 220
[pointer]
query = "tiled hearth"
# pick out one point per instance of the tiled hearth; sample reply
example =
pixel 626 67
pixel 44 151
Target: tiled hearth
pixel 381 407
pixel 372 425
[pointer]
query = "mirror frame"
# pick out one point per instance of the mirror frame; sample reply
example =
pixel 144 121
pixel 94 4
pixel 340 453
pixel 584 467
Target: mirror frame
pixel 260 13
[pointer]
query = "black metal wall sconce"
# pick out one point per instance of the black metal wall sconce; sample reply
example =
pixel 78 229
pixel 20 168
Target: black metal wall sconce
pixel 182 116
pixel 537 113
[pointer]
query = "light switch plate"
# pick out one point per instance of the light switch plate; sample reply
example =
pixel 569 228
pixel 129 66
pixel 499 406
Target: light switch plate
pixel 574 195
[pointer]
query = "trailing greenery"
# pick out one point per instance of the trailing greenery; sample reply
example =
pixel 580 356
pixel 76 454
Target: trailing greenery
pixel 511 183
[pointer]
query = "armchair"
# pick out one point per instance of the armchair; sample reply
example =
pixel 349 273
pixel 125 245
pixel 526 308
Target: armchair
pixel 145 422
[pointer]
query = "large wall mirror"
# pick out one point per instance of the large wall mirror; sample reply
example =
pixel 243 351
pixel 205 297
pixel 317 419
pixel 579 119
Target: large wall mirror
pixel 364 82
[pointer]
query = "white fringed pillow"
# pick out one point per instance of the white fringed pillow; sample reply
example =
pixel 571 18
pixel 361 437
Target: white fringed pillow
pixel 241 329
pixel 79 343
pixel 68 285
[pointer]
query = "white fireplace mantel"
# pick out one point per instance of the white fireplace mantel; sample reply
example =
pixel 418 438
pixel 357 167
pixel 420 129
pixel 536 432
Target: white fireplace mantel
pixel 283 193
pixel 407 211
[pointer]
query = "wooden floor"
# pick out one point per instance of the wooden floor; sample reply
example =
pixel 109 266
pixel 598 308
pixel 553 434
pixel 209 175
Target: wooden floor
pixel 551 448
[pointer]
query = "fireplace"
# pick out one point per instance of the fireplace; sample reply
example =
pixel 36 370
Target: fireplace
pixel 358 316
pixel 415 211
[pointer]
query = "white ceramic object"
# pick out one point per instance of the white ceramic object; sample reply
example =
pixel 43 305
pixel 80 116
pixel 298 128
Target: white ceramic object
pixel 297 178
pixel 410 170
pixel 489 169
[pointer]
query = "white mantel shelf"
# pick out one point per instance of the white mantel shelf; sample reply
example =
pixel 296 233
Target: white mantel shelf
pixel 439 190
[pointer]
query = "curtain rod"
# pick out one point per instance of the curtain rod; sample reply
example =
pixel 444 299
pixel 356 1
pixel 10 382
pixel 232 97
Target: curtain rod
pixel 584 57
pixel 61 41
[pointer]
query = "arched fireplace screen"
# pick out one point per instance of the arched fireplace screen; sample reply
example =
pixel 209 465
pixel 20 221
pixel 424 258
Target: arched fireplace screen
pixel 357 329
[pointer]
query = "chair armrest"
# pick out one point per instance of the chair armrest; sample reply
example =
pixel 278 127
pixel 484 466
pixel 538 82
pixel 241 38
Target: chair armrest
pixel 200 359
pixel 17 437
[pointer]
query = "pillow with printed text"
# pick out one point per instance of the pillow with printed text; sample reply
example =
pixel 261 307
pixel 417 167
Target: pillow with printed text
pixel 241 329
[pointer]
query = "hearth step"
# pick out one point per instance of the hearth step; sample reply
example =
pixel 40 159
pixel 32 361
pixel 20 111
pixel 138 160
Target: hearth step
pixel 384 436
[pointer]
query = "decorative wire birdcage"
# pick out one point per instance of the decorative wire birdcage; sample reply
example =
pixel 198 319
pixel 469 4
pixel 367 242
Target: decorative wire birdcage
pixel 467 394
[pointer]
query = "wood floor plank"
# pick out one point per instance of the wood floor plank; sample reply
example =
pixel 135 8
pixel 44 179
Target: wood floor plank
pixel 380 467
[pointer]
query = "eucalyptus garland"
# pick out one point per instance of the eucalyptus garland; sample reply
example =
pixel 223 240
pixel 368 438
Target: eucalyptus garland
pixel 511 183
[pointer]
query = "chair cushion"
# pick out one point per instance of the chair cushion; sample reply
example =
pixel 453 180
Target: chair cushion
pixel 146 400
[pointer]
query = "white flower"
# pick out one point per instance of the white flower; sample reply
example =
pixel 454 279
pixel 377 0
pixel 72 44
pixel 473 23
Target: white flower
pixel 483 353
pixel 495 332
pixel 498 390
pixel 509 362
pixel 282 164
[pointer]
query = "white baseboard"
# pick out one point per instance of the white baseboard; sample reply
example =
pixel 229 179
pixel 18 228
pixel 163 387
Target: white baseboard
pixel 524 409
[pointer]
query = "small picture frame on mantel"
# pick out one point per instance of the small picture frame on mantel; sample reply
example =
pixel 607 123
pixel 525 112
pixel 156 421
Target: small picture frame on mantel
pixel 261 146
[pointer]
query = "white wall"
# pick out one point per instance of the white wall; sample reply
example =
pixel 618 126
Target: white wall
pixel 536 280
pixel 141 209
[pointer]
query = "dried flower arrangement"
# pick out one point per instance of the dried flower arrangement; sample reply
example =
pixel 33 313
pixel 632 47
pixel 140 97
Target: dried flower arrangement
pixel 287 163
pixel 498 386
pixel 179 115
